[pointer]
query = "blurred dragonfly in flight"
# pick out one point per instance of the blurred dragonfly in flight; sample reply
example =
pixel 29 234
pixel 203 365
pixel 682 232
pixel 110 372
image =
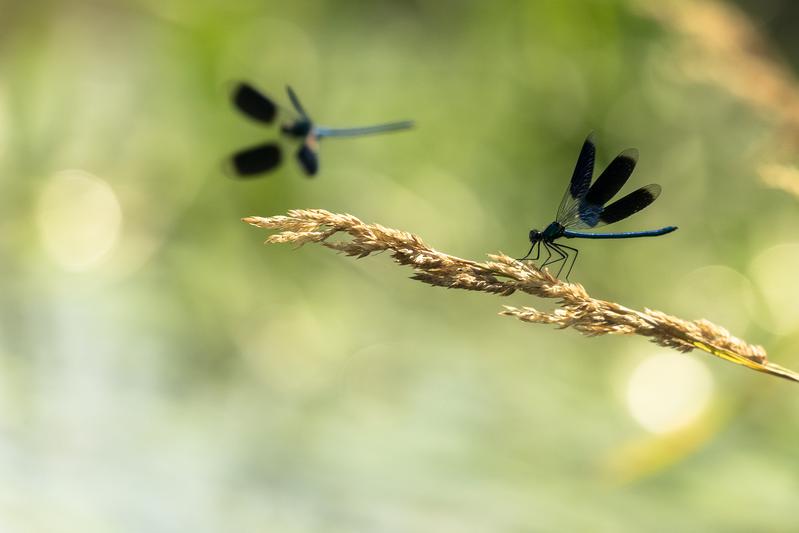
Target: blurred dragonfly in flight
pixel 583 207
pixel 299 125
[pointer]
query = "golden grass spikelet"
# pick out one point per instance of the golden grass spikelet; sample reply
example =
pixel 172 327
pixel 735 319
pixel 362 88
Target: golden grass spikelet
pixel 504 275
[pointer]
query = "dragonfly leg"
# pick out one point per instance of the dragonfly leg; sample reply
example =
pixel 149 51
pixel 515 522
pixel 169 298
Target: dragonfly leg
pixel 549 255
pixel 528 253
pixel 537 251
pixel 563 257
pixel 574 259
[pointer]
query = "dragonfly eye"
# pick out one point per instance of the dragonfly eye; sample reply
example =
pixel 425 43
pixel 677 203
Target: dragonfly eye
pixel 535 236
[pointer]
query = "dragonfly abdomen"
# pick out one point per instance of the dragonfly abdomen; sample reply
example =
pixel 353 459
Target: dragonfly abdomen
pixel 621 235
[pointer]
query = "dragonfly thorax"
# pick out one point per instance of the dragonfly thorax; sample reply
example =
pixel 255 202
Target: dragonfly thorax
pixel 298 128
pixel 552 232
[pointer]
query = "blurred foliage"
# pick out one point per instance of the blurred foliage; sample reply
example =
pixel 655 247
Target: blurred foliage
pixel 160 370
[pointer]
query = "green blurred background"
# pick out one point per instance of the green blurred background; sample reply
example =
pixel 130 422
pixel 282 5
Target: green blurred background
pixel 162 370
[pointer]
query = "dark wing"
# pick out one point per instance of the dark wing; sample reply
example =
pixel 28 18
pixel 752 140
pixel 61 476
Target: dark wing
pixel 613 178
pixel 630 204
pixel 308 157
pixel 253 103
pixel 295 101
pixel 569 210
pixel 256 160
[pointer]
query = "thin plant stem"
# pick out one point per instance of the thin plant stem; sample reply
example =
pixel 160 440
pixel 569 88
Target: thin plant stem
pixel 503 275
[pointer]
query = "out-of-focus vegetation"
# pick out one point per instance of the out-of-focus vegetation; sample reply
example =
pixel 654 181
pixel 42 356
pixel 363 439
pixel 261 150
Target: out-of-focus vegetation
pixel 160 370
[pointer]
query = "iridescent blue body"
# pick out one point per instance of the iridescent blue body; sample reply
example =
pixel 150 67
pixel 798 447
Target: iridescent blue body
pixel 583 206
pixel 298 129
pixel 620 235
pixel 263 158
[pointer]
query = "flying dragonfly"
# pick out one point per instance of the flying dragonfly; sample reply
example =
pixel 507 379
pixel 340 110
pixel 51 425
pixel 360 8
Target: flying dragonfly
pixel 265 157
pixel 583 207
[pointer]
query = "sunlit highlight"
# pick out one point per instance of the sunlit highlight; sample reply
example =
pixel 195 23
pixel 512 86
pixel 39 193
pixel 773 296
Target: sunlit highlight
pixel 718 293
pixel 668 392
pixel 774 272
pixel 79 219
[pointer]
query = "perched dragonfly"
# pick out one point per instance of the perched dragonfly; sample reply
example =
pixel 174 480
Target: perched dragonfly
pixel 583 207
pixel 265 157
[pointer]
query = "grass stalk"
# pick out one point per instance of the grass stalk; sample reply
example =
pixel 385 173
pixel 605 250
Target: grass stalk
pixel 503 275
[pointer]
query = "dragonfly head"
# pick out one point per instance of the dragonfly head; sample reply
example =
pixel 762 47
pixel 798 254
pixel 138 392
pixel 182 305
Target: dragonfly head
pixel 535 236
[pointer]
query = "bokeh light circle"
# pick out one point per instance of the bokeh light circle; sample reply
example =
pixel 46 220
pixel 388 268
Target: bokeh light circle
pixel 668 392
pixel 79 219
pixel 774 274
pixel 717 293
